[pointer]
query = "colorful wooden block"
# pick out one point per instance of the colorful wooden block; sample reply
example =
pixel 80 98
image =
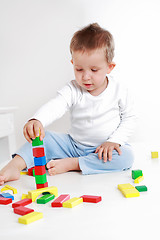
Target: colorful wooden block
pixel 142 188
pixel 125 186
pixel 91 199
pixel 24 173
pixel 154 154
pixel 72 202
pixel 7 187
pixel 136 173
pixel 60 200
pixel 21 210
pixel 37 142
pixel 45 199
pixel 128 193
pixel 35 193
pixel 5 201
pixel 7 195
pixel 31 217
pixel 22 202
pixel 30 171
pixel 44 185
pixel 24 196
pixel 40 161
pixel 38 152
pixel 41 179
pixel 139 179
pixel 40 170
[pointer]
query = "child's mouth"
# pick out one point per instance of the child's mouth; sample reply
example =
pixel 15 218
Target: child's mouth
pixel 88 85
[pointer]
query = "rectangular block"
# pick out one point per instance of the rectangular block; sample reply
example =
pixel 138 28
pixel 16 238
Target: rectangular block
pixel 7 187
pixel 72 202
pixel 154 154
pixel 5 201
pixel 30 171
pixel 37 142
pixel 40 170
pixel 46 198
pixel 22 202
pixel 91 199
pixel 128 193
pixel 139 179
pixel 142 188
pixel 38 152
pixel 31 217
pixel 125 186
pixel 60 200
pixel 136 173
pixel 7 195
pixel 44 185
pixel 22 210
pixel 40 161
pixel 41 179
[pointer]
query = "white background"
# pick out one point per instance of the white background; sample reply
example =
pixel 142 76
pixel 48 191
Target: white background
pixel 35 58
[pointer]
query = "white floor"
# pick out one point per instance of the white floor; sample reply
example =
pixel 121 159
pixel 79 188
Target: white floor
pixel 116 217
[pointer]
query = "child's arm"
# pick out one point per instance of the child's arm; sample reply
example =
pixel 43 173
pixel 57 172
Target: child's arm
pixel 32 129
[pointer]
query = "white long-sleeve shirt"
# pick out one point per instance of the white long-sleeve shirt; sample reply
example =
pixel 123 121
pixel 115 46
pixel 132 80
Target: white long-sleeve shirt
pixel 94 119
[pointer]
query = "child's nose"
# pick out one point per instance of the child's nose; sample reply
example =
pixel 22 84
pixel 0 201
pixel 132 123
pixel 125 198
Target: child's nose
pixel 86 76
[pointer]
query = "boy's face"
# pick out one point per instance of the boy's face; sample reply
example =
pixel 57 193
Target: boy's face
pixel 90 68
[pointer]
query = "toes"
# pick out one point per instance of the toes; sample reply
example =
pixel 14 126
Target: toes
pixel 1 180
pixel 52 171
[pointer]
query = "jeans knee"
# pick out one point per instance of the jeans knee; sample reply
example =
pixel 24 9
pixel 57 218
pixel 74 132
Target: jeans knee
pixel 126 159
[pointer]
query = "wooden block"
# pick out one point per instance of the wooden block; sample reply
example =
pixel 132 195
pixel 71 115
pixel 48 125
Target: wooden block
pixel 37 142
pixel 31 217
pixel 38 152
pixel 125 186
pixel 24 173
pixel 40 170
pixel 60 200
pixel 24 196
pixel 30 171
pixel 21 210
pixel 35 193
pixel 91 199
pixel 40 161
pixel 142 188
pixel 41 179
pixel 128 193
pixel 22 202
pixel 46 198
pixel 154 154
pixel 72 202
pixel 5 201
pixel 139 179
pixel 44 185
pixel 7 187
pixel 136 173
pixel 7 195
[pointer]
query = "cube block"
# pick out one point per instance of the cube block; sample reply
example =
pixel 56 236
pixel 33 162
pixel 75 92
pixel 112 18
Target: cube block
pixel 36 142
pixel 136 173
pixel 38 152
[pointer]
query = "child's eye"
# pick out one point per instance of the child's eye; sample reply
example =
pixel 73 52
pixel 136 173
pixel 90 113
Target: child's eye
pixel 94 70
pixel 79 70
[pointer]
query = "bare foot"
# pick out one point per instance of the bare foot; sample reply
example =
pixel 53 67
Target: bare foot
pixel 62 165
pixel 12 170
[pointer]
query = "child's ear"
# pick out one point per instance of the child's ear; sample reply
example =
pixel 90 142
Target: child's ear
pixel 111 66
pixel 72 61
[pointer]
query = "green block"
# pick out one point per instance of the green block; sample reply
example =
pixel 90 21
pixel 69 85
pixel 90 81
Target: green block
pixel 136 173
pixel 142 188
pixel 46 198
pixel 41 179
pixel 34 173
pixel 36 142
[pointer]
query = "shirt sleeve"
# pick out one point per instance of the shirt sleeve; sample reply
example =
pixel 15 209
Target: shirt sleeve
pixel 56 107
pixel 128 118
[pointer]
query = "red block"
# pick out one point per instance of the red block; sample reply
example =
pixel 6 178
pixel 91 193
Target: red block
pixel 91 199
pixel 30 171
pixel 61 199
pixel 40 170
pixel 42 185
pixel 23 202
pixel 38 152
pixel 5 201
pixel 22 210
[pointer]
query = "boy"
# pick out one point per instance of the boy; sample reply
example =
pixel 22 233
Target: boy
pixel 102 115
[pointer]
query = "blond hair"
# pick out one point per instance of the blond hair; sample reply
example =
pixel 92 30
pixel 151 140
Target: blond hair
pixel 93 37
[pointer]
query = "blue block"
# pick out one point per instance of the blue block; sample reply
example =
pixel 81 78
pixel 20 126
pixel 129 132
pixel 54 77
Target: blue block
pixel 7 195
pixel 41 161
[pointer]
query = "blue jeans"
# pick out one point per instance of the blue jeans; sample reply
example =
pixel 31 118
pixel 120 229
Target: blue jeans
pixel 58 146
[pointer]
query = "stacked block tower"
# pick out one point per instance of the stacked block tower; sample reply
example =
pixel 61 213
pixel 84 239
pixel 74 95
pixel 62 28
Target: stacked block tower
pixel 39 162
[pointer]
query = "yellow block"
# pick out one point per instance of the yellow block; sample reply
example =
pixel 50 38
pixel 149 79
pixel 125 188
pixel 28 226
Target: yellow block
pixel 24 196
pixel 139 179
pixel 154 154
pixel 125 186
pixel 7 187
pixel 30 217
pixel 24 173
pixel 128 193
pixel 35 193
pixel 72 202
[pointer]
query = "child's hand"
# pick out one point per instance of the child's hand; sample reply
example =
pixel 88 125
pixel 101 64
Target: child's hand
pixel 106 149
pixel 33 129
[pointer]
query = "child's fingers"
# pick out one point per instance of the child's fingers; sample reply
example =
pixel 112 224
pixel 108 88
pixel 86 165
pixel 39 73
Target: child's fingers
pixel 118 150
pixel 42 133
pixel 100 151
pixel 30 131
pixel 105 153
pixel 26 135
pixel 110 154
